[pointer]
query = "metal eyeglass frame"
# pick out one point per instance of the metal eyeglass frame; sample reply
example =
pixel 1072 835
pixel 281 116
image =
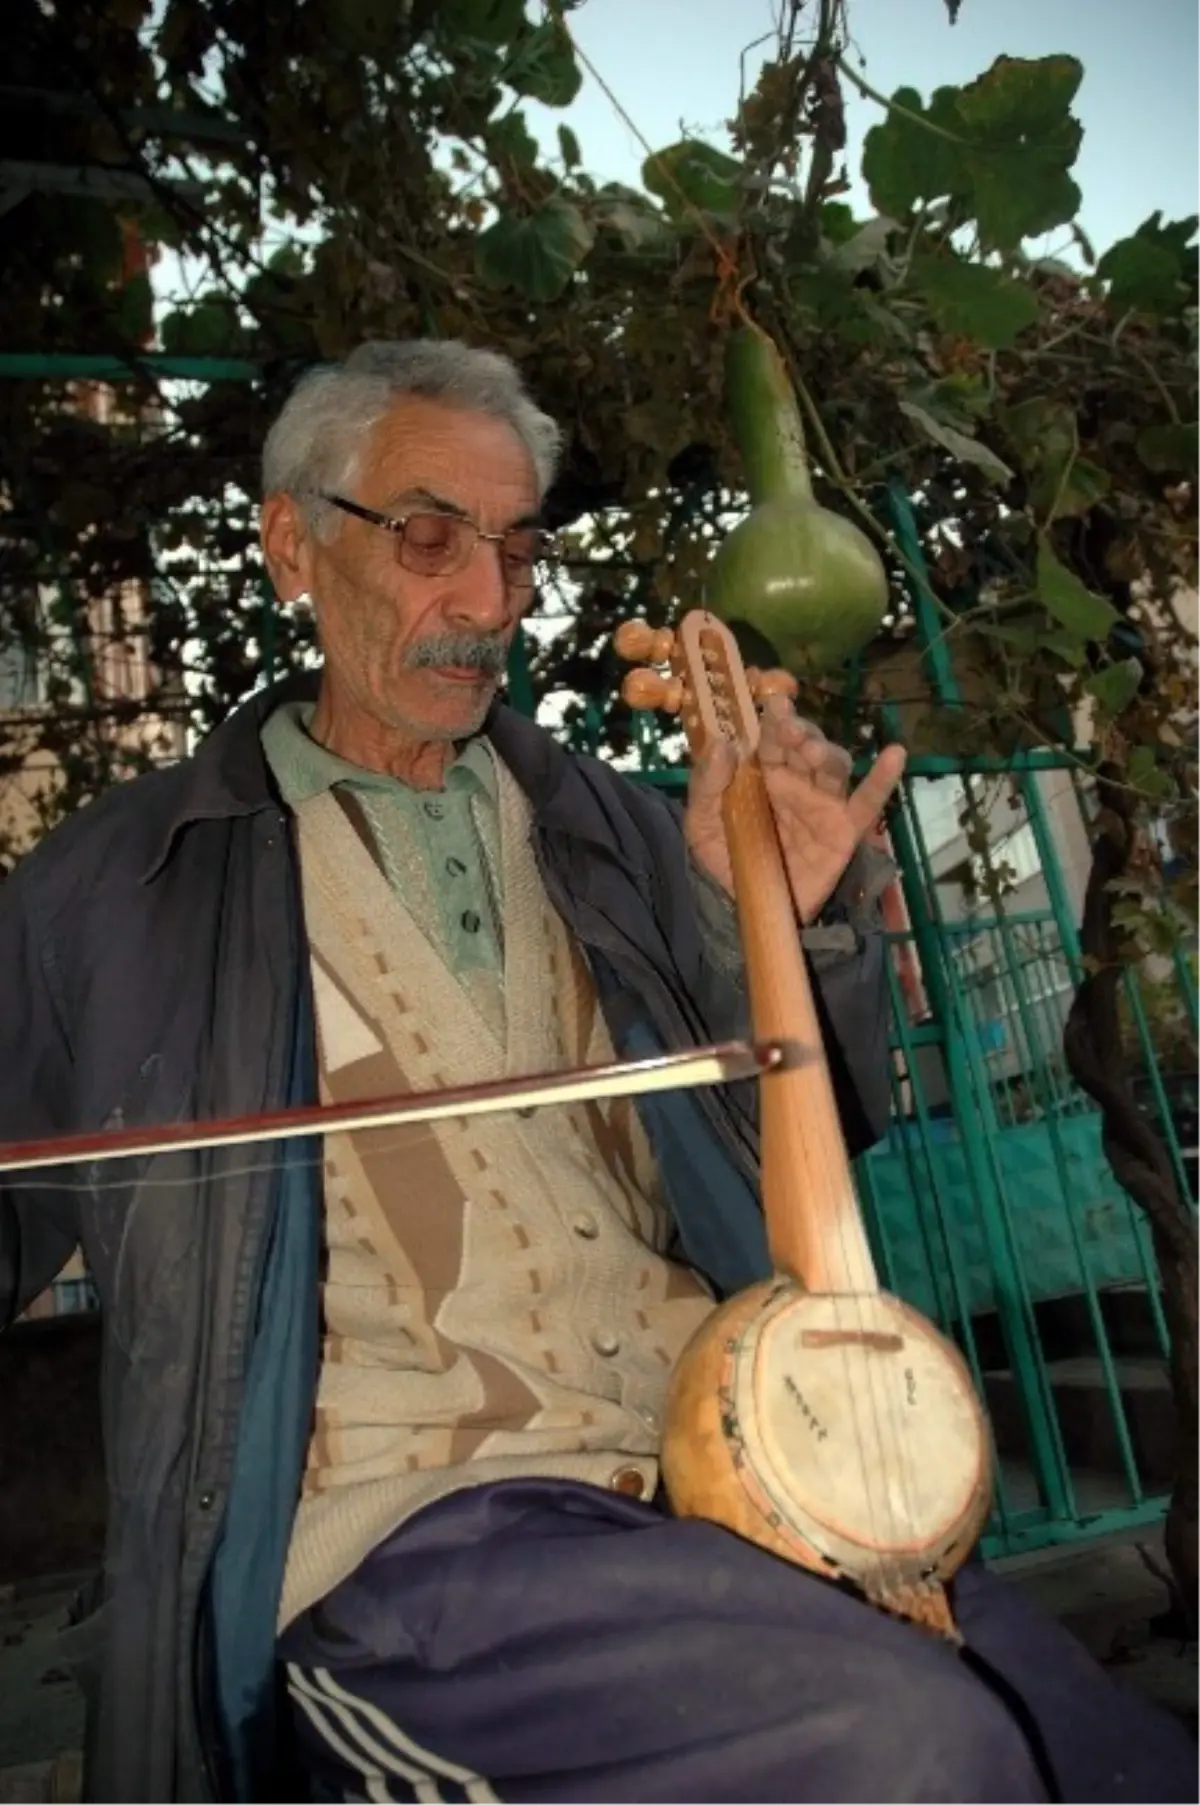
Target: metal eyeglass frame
pixel 397 523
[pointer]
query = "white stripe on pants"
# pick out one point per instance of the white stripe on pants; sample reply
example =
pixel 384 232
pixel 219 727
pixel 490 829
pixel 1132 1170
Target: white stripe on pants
pixel 373 1744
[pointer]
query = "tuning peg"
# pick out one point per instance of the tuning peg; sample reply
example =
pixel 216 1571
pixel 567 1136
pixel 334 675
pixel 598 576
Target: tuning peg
pixel 771 683
pixel 647 689
pixel 639 643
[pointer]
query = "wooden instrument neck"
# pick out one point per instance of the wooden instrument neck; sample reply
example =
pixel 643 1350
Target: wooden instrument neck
pixel 814 1228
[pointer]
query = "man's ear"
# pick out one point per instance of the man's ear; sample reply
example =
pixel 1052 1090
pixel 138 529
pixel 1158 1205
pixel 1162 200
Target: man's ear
pixel 286 548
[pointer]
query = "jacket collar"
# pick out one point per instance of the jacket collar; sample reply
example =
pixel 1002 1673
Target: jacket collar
pixel 228 774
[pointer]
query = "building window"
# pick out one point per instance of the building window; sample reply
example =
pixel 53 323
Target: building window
pixel 21 677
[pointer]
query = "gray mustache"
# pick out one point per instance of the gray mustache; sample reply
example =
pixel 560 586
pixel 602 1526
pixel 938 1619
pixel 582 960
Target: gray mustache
pixel 462 649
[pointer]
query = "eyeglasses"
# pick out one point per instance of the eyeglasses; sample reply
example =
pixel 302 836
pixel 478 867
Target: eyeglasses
pixel 434 544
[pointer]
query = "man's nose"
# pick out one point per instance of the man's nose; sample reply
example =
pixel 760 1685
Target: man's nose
pixel 481 595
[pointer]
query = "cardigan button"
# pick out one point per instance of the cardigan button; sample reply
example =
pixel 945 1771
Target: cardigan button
pixel 629 1482
pixel 605 1343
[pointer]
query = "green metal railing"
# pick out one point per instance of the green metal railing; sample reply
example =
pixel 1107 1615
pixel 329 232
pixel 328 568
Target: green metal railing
pixel 990 1202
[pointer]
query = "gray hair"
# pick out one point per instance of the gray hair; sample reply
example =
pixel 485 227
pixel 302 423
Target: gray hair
pixel 318 439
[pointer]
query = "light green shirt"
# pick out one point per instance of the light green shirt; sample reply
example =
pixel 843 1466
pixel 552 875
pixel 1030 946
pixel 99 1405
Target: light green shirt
pixel 438 849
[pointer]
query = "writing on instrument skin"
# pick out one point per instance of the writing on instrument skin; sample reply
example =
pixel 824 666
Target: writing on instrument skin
pixel 910 1385
pixel 802 1404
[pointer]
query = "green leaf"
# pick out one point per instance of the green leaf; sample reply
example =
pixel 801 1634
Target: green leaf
pixel 959 444
pixel 1038 428
pixel 1139 274
pixel 999 149
pixel 838 222
pixel 1085 484
pixel 568 147
pixel 1024 139
pixel 1144 774
pixel 694 171
pixel 957 400
pixel 915 155
pixel 1022 102
pixel 509 136
pixel 824 296
pixel 1044 434
pixel 1176 235
pixel 209 329
pixel 1064 645
pixel 537 253
pixel 1028 637
pixel 486 21
pixel 1061 593
pixel 1020 196
pixel 1116 685
pixel 542 65
pixel 1023 637
pixel 1172 447
pixel 974 301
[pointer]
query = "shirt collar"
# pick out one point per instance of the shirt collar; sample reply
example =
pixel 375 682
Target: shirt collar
pixel 304 768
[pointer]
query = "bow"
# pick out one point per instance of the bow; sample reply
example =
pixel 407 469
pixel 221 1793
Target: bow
pixel 721 1063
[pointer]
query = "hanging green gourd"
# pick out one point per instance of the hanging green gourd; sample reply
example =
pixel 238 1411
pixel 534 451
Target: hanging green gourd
pixel 805 579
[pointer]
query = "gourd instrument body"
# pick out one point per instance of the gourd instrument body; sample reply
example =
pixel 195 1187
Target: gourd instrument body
pixel 814 1413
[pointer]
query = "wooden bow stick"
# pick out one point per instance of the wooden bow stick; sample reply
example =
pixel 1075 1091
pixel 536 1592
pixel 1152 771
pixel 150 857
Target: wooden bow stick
pixel 721 1063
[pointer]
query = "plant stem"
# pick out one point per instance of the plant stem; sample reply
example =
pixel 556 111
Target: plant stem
pixel 1065 478
pixel 837 475
pixel 918 119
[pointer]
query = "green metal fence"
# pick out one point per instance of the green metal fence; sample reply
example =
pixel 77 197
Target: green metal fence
pixel 990 1202
pixel 994 1210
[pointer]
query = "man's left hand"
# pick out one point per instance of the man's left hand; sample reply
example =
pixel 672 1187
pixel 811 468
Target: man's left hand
pixel 821 821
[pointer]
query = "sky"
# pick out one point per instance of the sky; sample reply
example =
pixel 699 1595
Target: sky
pixel 674 63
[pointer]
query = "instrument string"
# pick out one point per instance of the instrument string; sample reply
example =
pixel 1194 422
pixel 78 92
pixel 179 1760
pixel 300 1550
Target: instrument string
pixel 878 1431
pixel 763 845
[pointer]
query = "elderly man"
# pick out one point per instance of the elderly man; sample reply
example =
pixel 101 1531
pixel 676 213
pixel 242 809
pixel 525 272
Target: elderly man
pixel 382 1432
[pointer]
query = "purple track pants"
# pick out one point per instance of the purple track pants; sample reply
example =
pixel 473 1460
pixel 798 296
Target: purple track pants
pixel 548 1641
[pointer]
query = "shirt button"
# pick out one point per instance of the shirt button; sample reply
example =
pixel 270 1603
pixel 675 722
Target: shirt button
pixel 628 1481
pixel 434 810
pixel 586 1227
pixel 605 1343
pixel 470 921
pixel 650 1418
pixel 455 867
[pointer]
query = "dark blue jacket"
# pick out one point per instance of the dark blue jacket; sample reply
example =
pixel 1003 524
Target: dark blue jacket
pixel 153 967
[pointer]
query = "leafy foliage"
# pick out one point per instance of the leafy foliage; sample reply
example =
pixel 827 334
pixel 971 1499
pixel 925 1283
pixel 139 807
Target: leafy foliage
pixel 324 174
pixel 536 254
pixel 998 151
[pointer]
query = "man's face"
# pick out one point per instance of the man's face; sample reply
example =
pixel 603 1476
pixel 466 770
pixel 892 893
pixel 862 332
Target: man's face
pixel 404 648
